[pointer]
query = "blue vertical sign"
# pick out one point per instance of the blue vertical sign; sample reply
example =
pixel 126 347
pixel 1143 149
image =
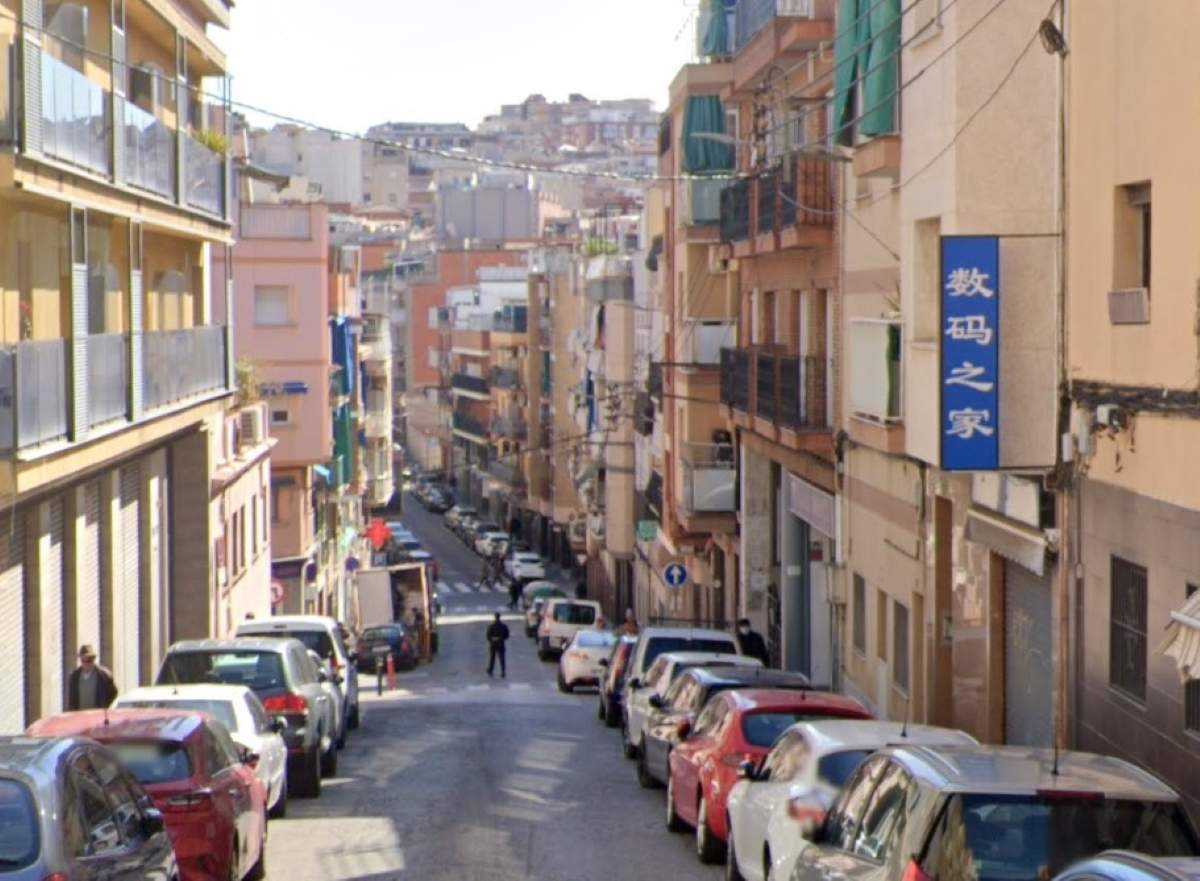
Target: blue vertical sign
pixel 970 381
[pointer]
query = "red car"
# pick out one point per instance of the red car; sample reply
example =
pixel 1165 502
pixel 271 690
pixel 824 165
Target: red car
pixel 214 805
pixel 735 727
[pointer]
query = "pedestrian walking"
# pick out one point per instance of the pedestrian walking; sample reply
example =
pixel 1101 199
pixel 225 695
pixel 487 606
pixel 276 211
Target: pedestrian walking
pixel 90 686
pixel 497 636
pixel 750 643
pixel 630 625
pixel 514 593
pixel 485 577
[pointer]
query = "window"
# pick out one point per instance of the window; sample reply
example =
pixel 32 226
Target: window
pixel 841 829
pixel 710 719
pixel 884 816
pixel 881 616
pixel 272 305
pixel 280 416
pixel 100 833
pixel 1131 237
pixel 19 844
pixel 900 646
pixel 1191 694
pixel 1127 629
pixel 276 500
pixel 254 526
pixel 860 614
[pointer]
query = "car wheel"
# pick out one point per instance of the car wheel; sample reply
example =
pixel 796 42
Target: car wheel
pixel 308 781
pixel 732 872
pixel 259 870
pixel 600 714
pixel 329 762
pixel 674 822
pixel 355 718
pixel 612 717
pixel 564 686
pixel 626 745
pixel 768 867
pixel 708 846
pixel 644 777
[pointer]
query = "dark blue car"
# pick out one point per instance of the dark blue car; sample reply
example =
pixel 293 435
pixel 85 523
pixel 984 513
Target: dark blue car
pixel 377 642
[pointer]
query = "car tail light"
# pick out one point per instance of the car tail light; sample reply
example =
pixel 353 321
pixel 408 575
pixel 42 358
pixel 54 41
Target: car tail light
pixel 57 876
pixel 913 872
pixel 198 800
pixel 287 704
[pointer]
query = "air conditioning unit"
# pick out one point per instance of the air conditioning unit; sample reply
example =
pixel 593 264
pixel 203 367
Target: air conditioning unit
pixel 1129 306
pixel 253 431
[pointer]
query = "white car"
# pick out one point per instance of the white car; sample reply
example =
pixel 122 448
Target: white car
pixel 770 808
pixel 638 704
pixel 524 566
pixel 238 709
pixel 490 543
pixel 561 620
pixel 322 635
pixel 454 516
pixel 580 663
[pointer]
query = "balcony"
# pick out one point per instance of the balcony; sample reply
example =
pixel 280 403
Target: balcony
pixel 505 378
pixel 203 177
pixel 377 299
pixel 735 379
pixel 380 491
pixel 767 32
pixel 149 160
pixel 469 425
pixel 789 391
pixel 108 378
pixel 377 424
pixel 512 319
pixel 507 472
pixel 33 394
pixel 707 339
pixel 702 201
pixel 786 213
pixel 181 364
pixel 471 385
pixel 376 342
pixel 709 479
pixel 75 118
pixel 511 427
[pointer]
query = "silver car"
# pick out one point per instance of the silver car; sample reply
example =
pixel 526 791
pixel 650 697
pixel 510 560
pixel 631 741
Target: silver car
pixel 973 813
pixel 69 810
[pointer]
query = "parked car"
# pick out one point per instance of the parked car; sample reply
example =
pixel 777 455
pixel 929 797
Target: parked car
pixel 773 802
pixel 439 501
pixel 543 589
pixel 611 680
pixel 454 515
pixel 581 663
pixel 479 533
pixel 466 528
pixel 640 702
pixel 215 808
pixel 241 712
pixel 287 682
pixel 533 616
pixel 674 714
pixel 524 566
pixel 990 812
pixel 70 811
pixel 377 642
pixel 322 635
pixel 493 543
pixel 1118 865
pixel 561 620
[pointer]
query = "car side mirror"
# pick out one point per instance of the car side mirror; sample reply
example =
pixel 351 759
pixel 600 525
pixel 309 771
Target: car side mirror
pixel 656 701
pixel 152 823
pixel 747 771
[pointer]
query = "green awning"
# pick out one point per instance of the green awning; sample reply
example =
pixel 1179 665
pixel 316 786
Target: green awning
pixel 705 114
pixel 715 39
pixel 866 57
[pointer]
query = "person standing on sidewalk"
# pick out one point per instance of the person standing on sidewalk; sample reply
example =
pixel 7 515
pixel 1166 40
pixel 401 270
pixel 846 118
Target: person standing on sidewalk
pixel 630 627
pixel 497 636
pixel 90 686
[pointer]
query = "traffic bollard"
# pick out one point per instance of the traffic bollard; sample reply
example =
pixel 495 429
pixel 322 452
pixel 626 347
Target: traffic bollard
pixel 378 679
pixel 391 672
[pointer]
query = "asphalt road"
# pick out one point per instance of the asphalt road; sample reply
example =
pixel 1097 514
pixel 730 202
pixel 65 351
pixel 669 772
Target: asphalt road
pixel 458 776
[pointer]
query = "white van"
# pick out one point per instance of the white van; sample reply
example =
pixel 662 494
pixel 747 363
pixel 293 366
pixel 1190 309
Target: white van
pixel 561 620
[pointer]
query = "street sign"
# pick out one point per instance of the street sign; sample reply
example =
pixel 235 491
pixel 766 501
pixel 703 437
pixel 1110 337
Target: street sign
pixel 675 575
pixel 276 593
pixel 647 530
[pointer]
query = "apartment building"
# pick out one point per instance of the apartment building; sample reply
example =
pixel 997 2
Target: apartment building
pixel 116 353
pixel 299 316
pixel 1133 511
pixel 380 293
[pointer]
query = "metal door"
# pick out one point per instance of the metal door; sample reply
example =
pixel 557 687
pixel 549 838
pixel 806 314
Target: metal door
pixel 129 565
pixel 12 625
pixel 51 603
pixel 1028 662
pixel 88 627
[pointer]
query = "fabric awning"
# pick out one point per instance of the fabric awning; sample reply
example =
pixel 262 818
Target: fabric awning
pixel 1183 639
pixel 1025 547
pixel 715 37
pixel 704 114
pixel 866 61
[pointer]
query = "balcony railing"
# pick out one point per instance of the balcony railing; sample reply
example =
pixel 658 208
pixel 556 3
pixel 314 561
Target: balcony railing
pixel 377 424
pixel 76 118
pixel 507 473
pixel 735 379
pixel 203 177
pixel 181 364
pixel 510 427
pixel 149 160
pixel 505 378
pixel 754 15
pixel 467 383
pixel 709 479
pixel 33 393
pixel 788 390
pixel 703 206
pixel 108 377
pixel 771 202
pixel 469 424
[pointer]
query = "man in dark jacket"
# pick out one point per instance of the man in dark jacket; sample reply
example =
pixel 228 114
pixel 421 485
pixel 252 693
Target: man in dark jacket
pixel 90 686
pixel 497 635
pixel 751 644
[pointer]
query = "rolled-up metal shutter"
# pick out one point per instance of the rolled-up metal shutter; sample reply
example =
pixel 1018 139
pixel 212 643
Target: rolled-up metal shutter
pixel 130 565
pixel 51 601
pixel 88 582
pixel 12 625
pixel 1029 661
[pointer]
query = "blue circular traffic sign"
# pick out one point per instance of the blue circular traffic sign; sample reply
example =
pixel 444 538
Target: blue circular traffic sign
pixel 675 575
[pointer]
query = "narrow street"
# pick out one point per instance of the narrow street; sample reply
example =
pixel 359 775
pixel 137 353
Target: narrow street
pixel 458 776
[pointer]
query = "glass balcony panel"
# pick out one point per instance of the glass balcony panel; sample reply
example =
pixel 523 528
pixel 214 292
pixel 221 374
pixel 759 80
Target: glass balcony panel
pixel 149 152
pixel 204 177
pixel 108 377
pixel 75 118
pixel 41 391
pixel 181 364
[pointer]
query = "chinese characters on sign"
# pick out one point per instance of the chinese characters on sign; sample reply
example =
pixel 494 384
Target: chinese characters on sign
pixel 970 353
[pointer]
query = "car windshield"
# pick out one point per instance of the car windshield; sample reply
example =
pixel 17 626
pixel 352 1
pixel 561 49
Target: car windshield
pixel 763 729
pixel 18 826
pixel 691 665
pixel 258 670
pixel 659 645
pixel 836 768
pixel 1030 837
pixel 154 761
pixel 314 640
pixel 574 613
pixel 594 639
pixel 528 558
pixel 380 633
pixel 222 711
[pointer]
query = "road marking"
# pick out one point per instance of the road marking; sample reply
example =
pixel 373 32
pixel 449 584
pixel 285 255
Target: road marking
pixel 461 587
pixel 443 586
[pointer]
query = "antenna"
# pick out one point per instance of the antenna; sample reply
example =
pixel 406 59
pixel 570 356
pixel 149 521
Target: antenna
pixel 106 717
pixel 1054 770
pixel 907 715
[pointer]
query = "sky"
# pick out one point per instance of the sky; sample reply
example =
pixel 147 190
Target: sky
pixel 348 64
